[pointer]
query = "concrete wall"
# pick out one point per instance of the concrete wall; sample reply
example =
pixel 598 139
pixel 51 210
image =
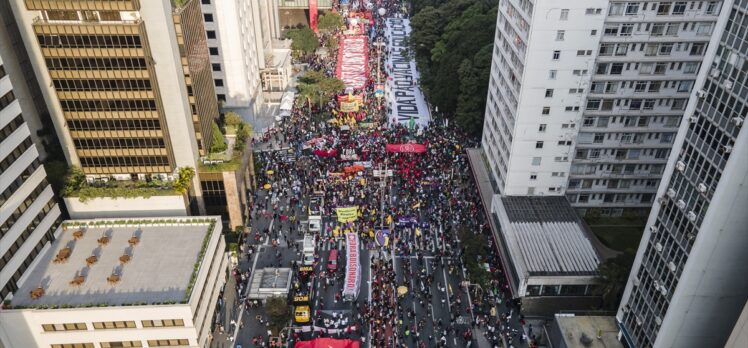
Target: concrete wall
pixel 127 207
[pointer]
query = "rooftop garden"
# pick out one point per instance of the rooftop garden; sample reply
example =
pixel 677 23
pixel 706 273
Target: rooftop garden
pixel 76 185
pixel 228 145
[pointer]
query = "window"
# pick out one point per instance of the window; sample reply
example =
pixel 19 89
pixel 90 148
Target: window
pixel 704 29
pixel 665 49
pixel 602 68
pixel 552 74
pixel 627 29
pixel 530 191
pixel 114 325
pixel 560 35
pixel 536 161
pixel 632 8
pixel 546 110
pixel 221 97
pixel 588 121
pixel 593 104
pixel 216 67
pixel 564 14
pixel 690 67
pixel 168 343
pixel 712 7
pixel 593 32
pixel 616 68
pixel 599 138
pixel 162 323
pixel 73 345
pixel 602 122
pixel 206 2
pixel 213 51
pixel 685 86
pixel 615 9
pixel 664 8
pixel 208 17
pixel 549 93
pixel 211 34
pixel 538 144
pixel 63 327
pixel 679 8
pixel 121 344
pixel 533 176
pixel 697 49
pixel 218 82
pixel 542 127
pixel 556 55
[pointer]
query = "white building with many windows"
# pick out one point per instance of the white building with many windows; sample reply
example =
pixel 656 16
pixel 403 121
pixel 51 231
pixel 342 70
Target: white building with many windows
pixel 543 56
pixel 121 283
pixel 29 212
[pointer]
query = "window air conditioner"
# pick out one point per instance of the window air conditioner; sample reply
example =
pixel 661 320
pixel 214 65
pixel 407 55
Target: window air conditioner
pixel 691 216
pixel 671 193
pixel 727 84
pixel 738 121
pixel 693 119
pixel 690 236
pixel 658 321
pixel 680 165
pixel 700 93
pixel 671 266
pixel 701 187
pixel 658 246
pixel 726 149
pixel 681 204
pixel 715 72
pixel 653 229
pixel 636 281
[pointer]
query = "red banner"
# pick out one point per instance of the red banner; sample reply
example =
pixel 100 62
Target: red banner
pixel 353 61
pixel 313 15
pixel 325 153
pixel 411 148
pixel 327 343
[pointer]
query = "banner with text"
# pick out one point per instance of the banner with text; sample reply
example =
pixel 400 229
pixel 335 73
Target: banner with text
pixel 410 148
pixel 347 214
pixel 353 61
pixel 353 268
pixel 404 97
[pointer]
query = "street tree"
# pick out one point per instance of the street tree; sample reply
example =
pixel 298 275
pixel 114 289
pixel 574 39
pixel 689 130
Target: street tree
pixel 612 276
pixel 279 313
pixel 304 40
pixel 232 119
pixel 329 21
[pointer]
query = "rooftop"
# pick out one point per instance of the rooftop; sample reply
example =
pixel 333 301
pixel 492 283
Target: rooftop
pixel 574 327
pixel 163 257
pixel 544 236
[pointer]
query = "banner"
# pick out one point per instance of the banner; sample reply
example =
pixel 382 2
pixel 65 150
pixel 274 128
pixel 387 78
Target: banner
pixel 349 155
pixel 407 221
pixel 404 97
pixel 353 61
pixel 327 343
pixel 325 153
pixel 409 148
pixel 313 15
pixel 353 269
pixel 347 214
pixel 349 106
pixel 382 237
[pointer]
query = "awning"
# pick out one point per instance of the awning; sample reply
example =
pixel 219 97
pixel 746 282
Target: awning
pixel 287 102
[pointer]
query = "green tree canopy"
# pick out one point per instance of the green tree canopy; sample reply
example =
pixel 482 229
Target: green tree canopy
pixel 218 144
pixel 317 87
pixel 612 275
pixel 232 119
pixel 329 21
pixel 279 313
pixel 452 41
pixel 304 40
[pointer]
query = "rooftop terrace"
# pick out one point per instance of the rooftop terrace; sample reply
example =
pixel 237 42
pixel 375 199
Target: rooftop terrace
pixel 118 262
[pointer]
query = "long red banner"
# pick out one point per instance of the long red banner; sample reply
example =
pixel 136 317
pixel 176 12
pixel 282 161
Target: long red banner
pixel 353 61
pixel 411 148
pixel 328 343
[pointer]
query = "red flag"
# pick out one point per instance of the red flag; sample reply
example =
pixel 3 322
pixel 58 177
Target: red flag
pixel 410 148
pixel 313 15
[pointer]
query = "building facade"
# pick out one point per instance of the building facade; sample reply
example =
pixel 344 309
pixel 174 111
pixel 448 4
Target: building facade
pixel 542 59
pixel 585 99
pixel 29 212
pixel 112 77
pixel 687 285
pixel 236 53
pixel 94 299
pixel 647 59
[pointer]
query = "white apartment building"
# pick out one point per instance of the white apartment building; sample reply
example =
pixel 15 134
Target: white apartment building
pixel 688 283
pixel 241 36
pixel 121 283
pixel 543 55
pixel 647 61
pixel 29 212
pixel 585 98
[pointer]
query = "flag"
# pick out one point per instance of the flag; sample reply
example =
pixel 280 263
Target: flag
pixel 347 214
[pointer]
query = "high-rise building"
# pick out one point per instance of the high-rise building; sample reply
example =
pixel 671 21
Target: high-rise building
pixel 29 212
pixel 585 98
pixel 542 58
pixel 112 74
pixel 647 59
pixel 236 53
pixel 688 283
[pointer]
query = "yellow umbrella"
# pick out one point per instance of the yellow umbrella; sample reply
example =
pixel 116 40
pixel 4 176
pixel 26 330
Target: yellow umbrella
pixel 267 186
pixel 402 290
pixel 270 172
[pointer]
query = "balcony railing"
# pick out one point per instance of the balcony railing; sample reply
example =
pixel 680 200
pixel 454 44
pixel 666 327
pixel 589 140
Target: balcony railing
pixel 303 4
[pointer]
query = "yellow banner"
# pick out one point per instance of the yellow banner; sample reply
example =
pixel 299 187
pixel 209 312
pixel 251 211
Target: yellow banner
pixel 348 106
pixel 347 214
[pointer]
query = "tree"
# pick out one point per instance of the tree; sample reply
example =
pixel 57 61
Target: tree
pixel 74 180
pixel 243 133
pixel 218 144
pixel 279 313
pixel 184 179
pixel 612 276
pixel 473 74
pixel 317 87
pixel 304 40
pixel 329 21
pixel 232 119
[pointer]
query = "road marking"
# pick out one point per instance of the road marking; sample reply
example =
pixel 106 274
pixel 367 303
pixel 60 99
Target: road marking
pixel 470 302
pixel 446 290
pixel 270 228
pixel 242 306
